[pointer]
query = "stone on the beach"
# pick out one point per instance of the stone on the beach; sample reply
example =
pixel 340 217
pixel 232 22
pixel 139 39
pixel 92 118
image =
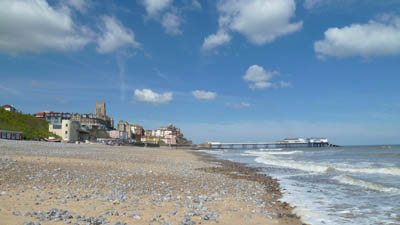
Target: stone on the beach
pixel 101 180
pixel 135 216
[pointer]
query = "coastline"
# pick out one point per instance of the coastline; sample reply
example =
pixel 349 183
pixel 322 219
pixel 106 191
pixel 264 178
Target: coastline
pixel 53 183
pixel 235 170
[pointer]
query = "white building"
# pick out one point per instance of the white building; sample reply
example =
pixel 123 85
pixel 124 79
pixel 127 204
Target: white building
pixel 9 108
pixel 317 140
pixel 69 130
pixel 294 141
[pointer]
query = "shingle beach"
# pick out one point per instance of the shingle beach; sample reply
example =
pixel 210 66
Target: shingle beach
pixel 55 183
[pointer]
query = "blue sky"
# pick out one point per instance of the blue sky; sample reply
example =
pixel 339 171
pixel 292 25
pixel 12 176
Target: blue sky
pixel 225 70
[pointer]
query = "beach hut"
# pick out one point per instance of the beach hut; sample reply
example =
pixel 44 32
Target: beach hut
pixel 10 135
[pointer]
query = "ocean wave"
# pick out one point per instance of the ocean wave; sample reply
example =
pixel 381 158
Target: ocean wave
pixel 270 149
pixel 284 153
pixel 310 167
pixel 346 179
pixel 262 153
pixel 387 171
pixel 269 159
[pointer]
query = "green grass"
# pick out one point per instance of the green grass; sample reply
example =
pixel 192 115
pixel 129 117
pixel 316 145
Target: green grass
pixel 31 126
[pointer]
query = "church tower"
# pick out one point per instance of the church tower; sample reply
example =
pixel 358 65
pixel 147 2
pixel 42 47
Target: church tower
pixel 100 109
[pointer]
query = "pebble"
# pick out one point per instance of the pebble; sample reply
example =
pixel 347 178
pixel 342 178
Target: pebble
pixel 135 216
pixel 31 223
pixel 193 196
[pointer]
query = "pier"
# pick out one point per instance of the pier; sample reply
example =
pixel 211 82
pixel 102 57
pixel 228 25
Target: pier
pixel 286 143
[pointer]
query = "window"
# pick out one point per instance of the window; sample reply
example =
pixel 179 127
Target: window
pixel 66 132
pixel 66 125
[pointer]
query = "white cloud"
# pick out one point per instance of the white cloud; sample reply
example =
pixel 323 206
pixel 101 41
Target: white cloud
pixel 258 77
pixel 214 40
pixel 261 21
pixel 196 4
pixel 284 84
pixel 204 95
pixel 308 4
pixel 168 16
pixel 147 95
pixel 171 23
pixel 114 36
pixel 153 7
pixel 376 38
pixel 35 26
pixel 80 5
pixel 238 105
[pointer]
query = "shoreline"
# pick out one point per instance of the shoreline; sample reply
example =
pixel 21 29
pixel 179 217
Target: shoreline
pixel 53 183
pixel 236 170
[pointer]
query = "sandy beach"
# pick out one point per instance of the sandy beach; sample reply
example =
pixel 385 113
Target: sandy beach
pixel 55 183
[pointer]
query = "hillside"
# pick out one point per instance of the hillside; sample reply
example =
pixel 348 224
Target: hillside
pixel 31 126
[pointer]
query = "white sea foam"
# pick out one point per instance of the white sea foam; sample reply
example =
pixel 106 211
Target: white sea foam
pixel 387 171
pixel 340 200
pixel 262 153
pixel 270 149
pixel 346 179
pixel 284 153
pixel 311 167
pixel 270 159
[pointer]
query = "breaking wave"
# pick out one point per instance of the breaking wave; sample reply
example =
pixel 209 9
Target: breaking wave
pixel 268 158
pixel 346 179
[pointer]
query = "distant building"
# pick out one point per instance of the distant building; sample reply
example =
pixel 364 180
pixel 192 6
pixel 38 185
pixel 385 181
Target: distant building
pixel 294 140
pixel 70 130
pixel 126 128
pixel 9 108
pixel 148 133
pixel 169 139
pixel 100 109
pixel 150 140
pixel 169 135
pixel 114 134
pixel 87 121
pixel 317 140
pixel 11 135
pixel 137 130
pixel 91 121
pixel 54 118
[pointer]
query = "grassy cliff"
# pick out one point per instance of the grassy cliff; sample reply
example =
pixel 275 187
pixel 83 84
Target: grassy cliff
pixel 31 126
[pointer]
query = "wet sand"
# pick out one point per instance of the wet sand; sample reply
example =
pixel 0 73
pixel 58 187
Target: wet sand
pixel 54 183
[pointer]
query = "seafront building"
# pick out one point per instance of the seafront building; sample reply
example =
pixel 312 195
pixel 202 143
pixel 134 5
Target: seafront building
pixel 89 121
pixel 73 127
pixel 9 108
pixel 130 132
pixel 151 140
pixel 169 135
pixel 11 135
pixel 79 127
pixel 70 131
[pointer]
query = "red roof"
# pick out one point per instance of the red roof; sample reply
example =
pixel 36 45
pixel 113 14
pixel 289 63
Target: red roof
pixel 7 106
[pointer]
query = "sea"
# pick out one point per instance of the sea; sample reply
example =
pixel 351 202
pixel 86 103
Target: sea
pixel 341 185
